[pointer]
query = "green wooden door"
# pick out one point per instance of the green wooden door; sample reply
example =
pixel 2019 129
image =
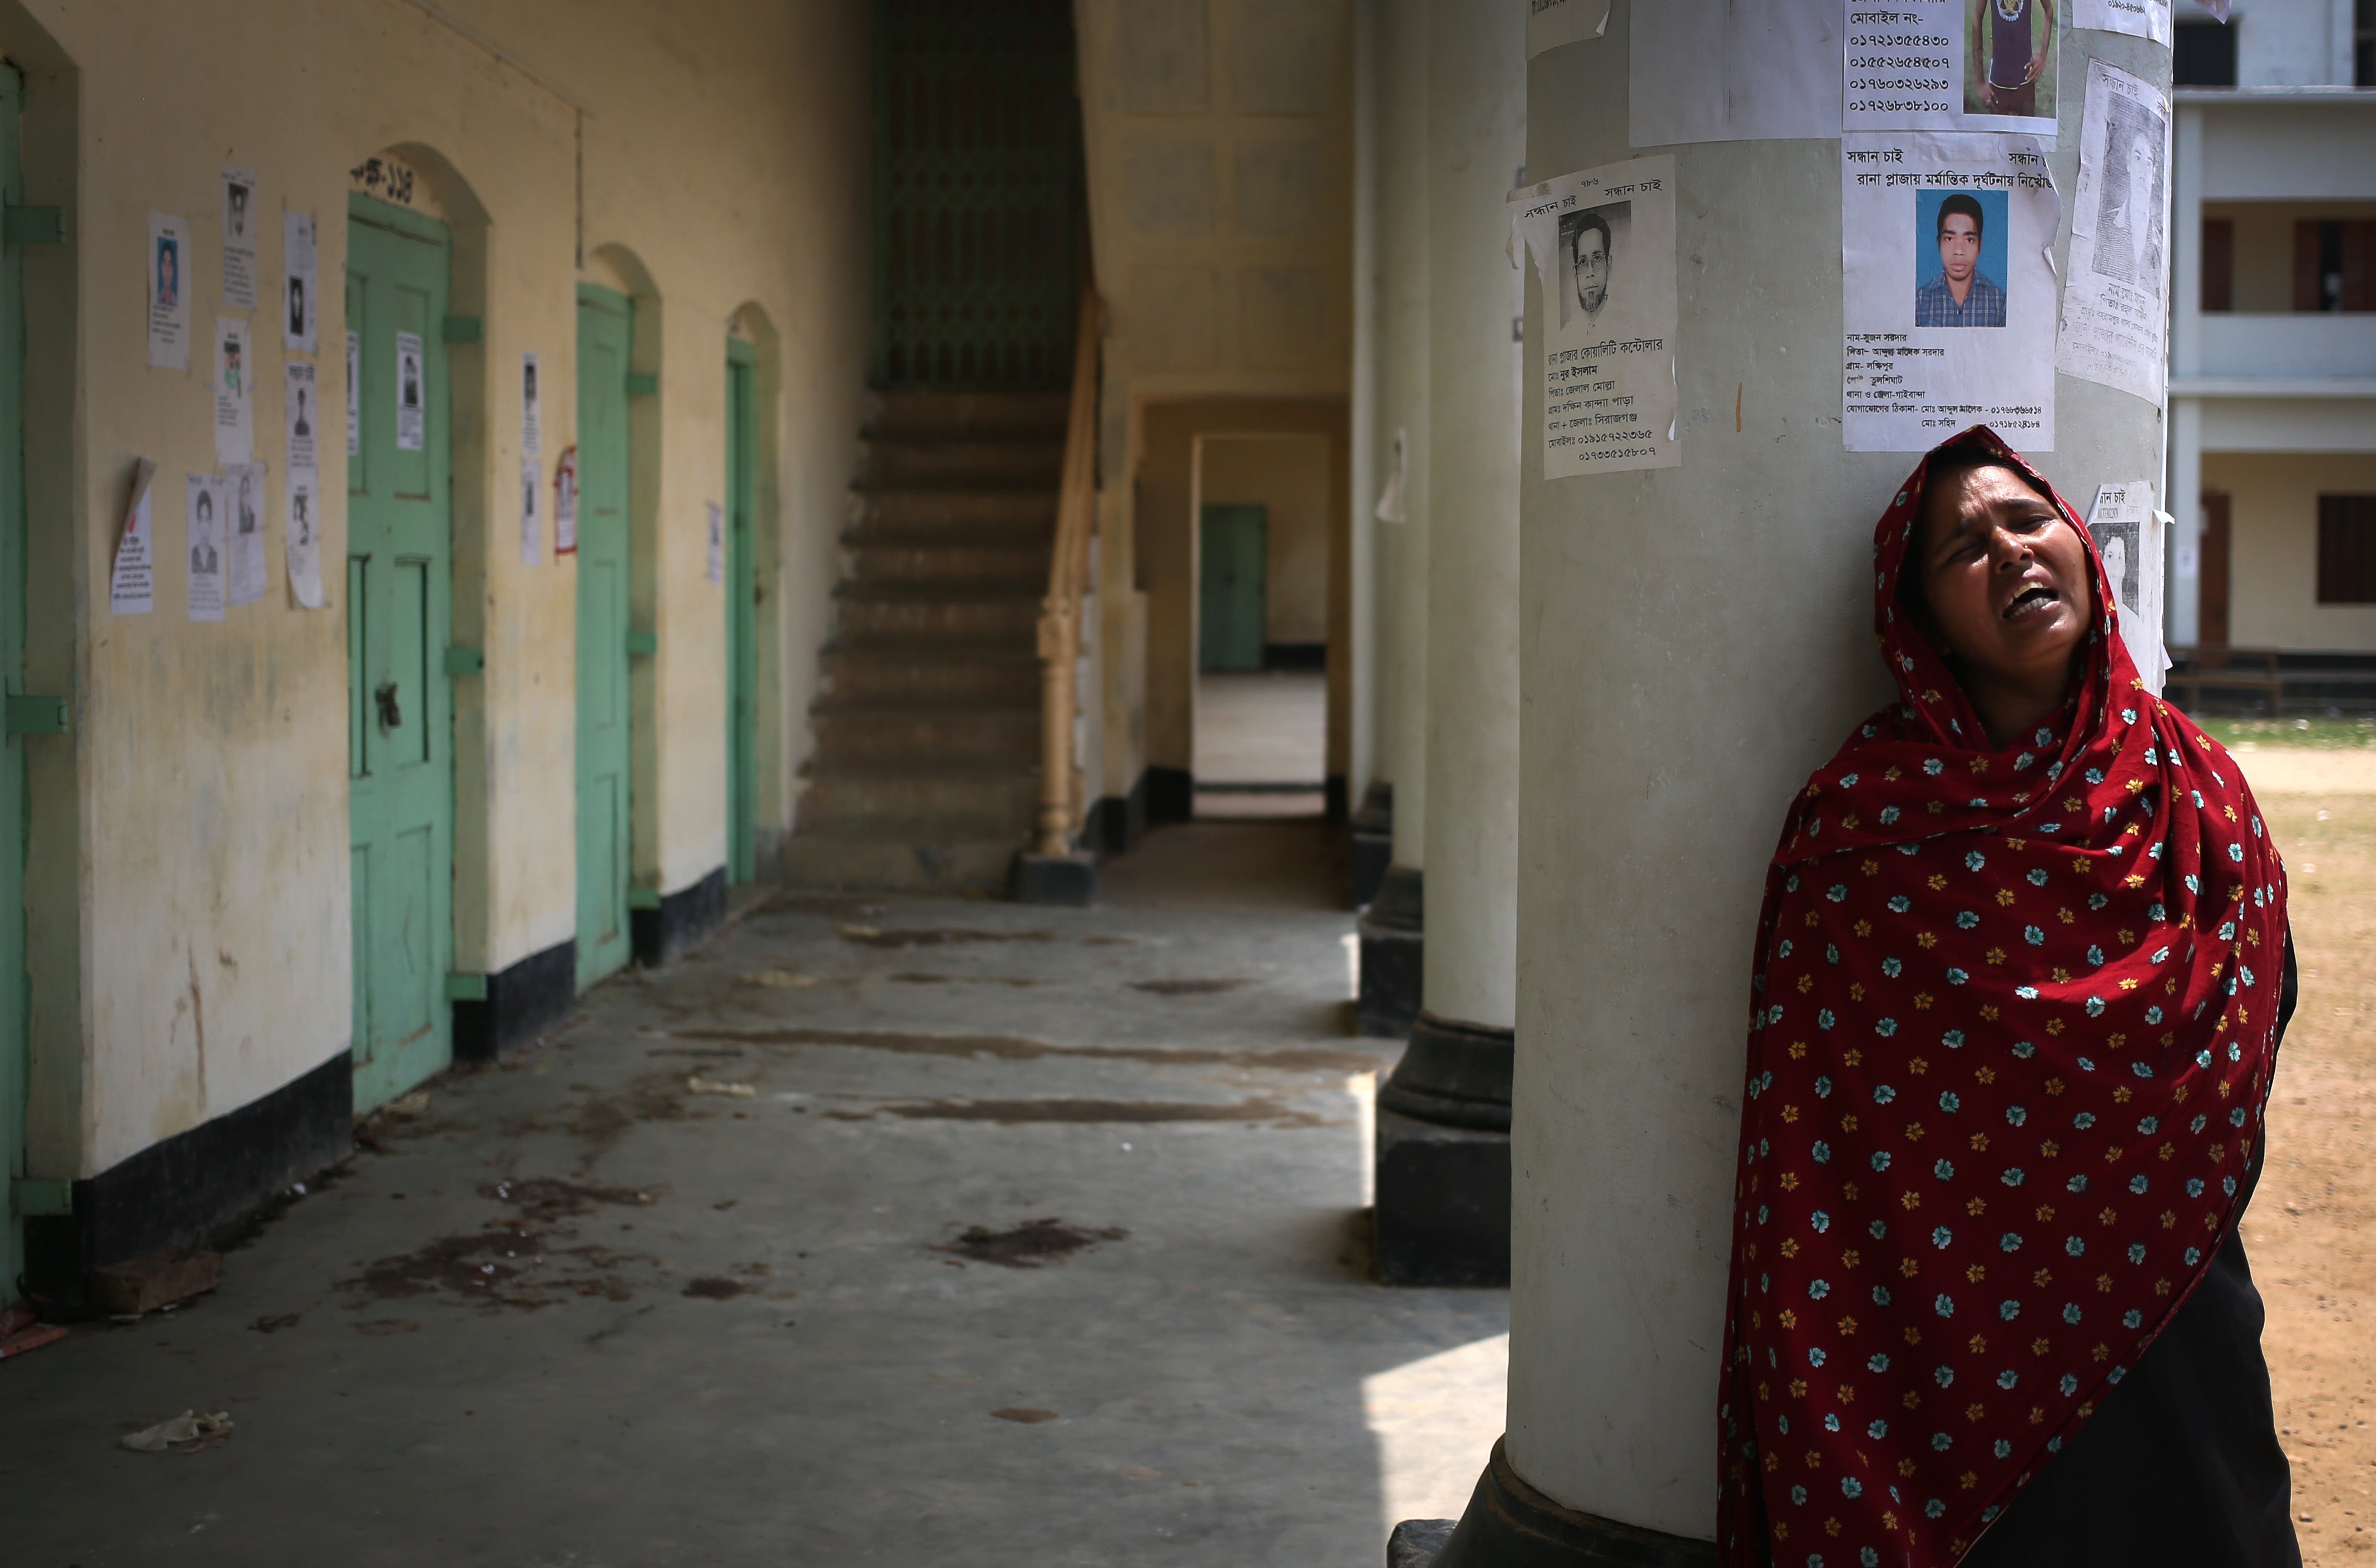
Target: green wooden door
pixel 400 704
pixel 1232 586
pixel 13 1056
pixel 742 611
pixel 605 328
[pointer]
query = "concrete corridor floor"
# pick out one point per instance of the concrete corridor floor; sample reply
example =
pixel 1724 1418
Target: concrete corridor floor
pixel 895 1230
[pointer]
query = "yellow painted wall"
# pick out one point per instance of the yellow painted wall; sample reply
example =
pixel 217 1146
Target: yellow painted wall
pixel 2273 519
pixel 1289 476
pixel 189 885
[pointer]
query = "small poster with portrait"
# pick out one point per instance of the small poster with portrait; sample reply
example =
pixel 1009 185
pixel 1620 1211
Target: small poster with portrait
pixel 1952 66
pixel 240 218
pixel 2128 536
pixel 304 540
pixel 235 393
pixel 244 482
pixel 1603 243
pixel 2116 305
pixel 207 504
pixel 300 304
pixel 564 503
pixel 166 285
pixel 1948 299
pixel 300 413
pixel 531 528
pixel 411 394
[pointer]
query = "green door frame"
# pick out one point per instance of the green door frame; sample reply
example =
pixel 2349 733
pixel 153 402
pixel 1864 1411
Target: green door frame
pixel 400 710
pixel 742 613
pixel 15 1059
pixel 605 747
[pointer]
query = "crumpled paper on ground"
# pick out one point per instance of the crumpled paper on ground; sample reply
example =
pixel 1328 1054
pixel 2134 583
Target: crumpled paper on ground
pixel 188 1427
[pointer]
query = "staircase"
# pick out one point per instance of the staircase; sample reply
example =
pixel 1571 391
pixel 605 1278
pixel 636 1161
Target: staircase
pixel 925 775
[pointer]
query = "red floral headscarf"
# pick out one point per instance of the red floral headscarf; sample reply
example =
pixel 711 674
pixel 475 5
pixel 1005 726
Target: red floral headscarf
pixel 2014 1022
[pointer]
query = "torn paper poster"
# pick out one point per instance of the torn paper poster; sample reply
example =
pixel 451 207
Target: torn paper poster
pixel 131 588
pixel 1390 494
pixel 716 542
pixel 1947 296
pixel 1604 243
pixel 303 540
pixel 1551 23
pixel 2115 289
pixel 300 298
pixel 234 389
pixel 167 292
pixel 531 531
pixel 1952 66
pixel 241 214
pixel 411 394
pixel 301 411
pixel 244 482
pixel 2130 538
pixel 2142 18
pixel 531 408
pixel 564 503
pixel 1733 70
pixel 204 519
pixel 354 394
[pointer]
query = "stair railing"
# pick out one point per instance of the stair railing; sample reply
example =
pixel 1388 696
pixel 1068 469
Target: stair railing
pixel 1060 611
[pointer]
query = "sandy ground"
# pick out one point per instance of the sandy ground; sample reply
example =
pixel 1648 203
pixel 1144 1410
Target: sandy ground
pixel 2312 1225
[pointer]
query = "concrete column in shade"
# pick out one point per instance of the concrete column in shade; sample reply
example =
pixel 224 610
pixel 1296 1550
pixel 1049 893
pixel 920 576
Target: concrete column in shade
pixel 1443 1127
pixel 1392 927
pixel 1695 642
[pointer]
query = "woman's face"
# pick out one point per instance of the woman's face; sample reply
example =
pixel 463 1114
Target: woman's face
pixel 2004 576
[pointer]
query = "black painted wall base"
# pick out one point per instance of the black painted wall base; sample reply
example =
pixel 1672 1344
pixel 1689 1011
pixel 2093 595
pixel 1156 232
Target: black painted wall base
pixel 1171 794
pixel 683 923
pixel 1335 797
pixel 193 1187
pixel 1510 1524
pixel 522 1003
pixel 1070 881
pixel 1393 938
pixel 1295 656
pixel 1118 822
pixel 1443 1202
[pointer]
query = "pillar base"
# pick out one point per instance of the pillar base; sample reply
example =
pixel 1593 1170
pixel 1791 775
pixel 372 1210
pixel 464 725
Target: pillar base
pixel 1510 1524
pixel 1069 880
pixel 1443 1202
pixel 1393 935
pixel 1374 842
pixel 1453 1074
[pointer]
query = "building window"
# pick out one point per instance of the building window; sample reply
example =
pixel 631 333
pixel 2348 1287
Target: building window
pixel 2363 44
pixel 2334 264
pixel 2205 54
pixel 2218 264
pixel 2346 550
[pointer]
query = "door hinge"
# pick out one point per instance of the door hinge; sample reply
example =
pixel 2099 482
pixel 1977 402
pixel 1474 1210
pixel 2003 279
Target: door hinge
pixel 36 1198
pixel 34 225
pixel 643 384
pixel 462 661
pixel 643 642
pixel 38 715
pixel 643 897
pixel 466 988
pixel 462 330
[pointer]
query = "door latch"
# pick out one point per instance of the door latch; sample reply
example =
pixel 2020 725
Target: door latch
pixel 391 717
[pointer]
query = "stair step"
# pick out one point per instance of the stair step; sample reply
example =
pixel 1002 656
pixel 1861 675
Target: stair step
pixel 907 464
pixel 956 566
pixel 919 733
pixel 939 673
pixel 898 506
pixel 968 413
pixel 905 862
pixel 1010 617
pixel 976 801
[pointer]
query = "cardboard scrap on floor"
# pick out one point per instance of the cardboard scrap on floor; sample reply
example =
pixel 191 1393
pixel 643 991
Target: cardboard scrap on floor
pixel 21 1331
pixel 160 1279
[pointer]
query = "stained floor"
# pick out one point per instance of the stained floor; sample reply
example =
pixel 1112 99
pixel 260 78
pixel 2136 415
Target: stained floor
pixel 885 1229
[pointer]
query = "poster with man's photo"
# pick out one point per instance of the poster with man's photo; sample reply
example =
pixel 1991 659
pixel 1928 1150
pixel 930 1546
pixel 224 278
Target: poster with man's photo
pixel 206 503
pixel 238 220
pixel 2130 538
pixel 2116 300
pixel 1603 243
pixel 1952 66
pixel 301 306
pixel 411 394
pixel 1947 295
pixel 164 286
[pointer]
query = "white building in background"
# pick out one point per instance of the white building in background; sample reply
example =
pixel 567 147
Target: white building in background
pixel 2272 336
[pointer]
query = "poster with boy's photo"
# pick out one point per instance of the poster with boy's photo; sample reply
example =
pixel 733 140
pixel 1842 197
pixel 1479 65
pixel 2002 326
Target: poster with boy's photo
pixel 2010 58
pixel 2115 307
pixel 238 188
pixel 165 292
pixel 1959 259
pixel 1952 66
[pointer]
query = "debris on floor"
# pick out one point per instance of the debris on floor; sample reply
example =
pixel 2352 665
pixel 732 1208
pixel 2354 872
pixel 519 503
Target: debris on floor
pixel 714 1288
pixel 275 1324
pixel 414 1104
pixel 1187 987
pixel 162 1279
pixel 1024 1414
pixel 21 1331
pixel 189 1427
pixel 698 1085
pixel 1030 1244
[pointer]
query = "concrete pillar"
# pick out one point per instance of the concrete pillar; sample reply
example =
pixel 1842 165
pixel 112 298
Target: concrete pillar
pixel 1695 641
pixel 1392 935
pixel 1443 1146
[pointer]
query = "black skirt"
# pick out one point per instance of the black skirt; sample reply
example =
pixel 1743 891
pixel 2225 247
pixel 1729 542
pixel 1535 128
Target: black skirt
pixel 2180 1465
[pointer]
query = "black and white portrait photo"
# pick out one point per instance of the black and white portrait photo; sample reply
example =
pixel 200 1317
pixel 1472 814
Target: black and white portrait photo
pixel 205 559
pixel 296 308
pixel 1590 241
pixel 2129 197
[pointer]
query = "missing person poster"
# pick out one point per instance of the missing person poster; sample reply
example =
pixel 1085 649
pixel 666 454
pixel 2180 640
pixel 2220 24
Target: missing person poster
pixel 304 540
pixel 1947 297
pixel 240 216
pixel 299 304
pixel 2141 19
pixel 2115 302
pixel 411 394
pixel 531 408
pixel 1603 242
pixel 132 589
pixel 1952 66
pixel 207 504
pixel 354 394
pixel 235 393
pixel 165 289
pixel 301 414
pixel 531 528
pixel 2128 535
pixel 717 542
pixel 1551 23
pixel 244 482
